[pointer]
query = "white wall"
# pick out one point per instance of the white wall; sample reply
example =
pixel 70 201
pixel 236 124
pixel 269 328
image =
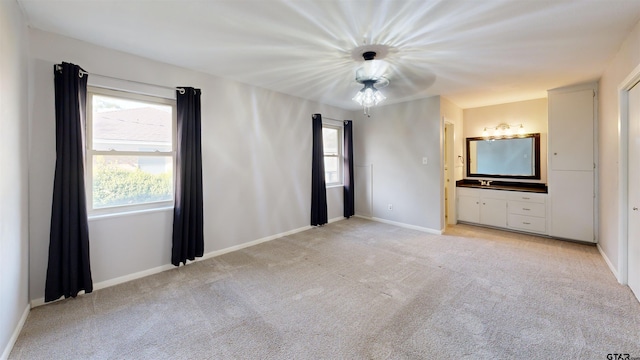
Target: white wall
pixel 13 182
pixel 533 114
pixel 256 162
pixel 394 140
pixel 627 58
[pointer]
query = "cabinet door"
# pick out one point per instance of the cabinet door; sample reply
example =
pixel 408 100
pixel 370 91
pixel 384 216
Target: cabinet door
pixel 571 122
pixel 469 208
pixel 493 212
pixel 572 205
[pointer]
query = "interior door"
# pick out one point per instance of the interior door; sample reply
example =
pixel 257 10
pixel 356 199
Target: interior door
pixel 449 178
pixel 633 250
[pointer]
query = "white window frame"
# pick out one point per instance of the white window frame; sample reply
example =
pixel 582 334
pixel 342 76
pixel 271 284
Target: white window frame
pixel 90 152
pixel 338 155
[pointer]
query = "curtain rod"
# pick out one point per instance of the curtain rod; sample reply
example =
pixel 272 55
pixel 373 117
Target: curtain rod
pixel 332 119
pixel 83 72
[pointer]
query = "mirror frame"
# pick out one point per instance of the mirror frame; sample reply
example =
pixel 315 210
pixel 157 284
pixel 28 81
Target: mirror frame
pixel 536 149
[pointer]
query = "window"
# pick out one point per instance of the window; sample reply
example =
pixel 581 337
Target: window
pixel 332 143
pixel 130 151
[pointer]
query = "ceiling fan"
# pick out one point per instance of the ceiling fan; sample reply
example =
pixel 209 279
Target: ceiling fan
pixel 372 76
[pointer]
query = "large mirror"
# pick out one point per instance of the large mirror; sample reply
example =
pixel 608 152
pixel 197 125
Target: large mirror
pixel 515 157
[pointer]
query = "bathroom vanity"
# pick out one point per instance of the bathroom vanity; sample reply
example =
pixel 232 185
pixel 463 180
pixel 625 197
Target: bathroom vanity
pixel 510 205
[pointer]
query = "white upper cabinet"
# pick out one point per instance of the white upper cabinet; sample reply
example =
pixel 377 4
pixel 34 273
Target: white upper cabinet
pixel 571 130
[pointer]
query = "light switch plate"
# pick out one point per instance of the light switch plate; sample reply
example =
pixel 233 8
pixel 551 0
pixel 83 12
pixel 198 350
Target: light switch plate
pixel 425 160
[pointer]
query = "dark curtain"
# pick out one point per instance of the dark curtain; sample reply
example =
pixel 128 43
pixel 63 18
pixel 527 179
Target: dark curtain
pixel 68 269
pixel 318 187
pixel 349 194
pixel 188 238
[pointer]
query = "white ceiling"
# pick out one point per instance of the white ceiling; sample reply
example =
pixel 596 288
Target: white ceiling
pixel 474 53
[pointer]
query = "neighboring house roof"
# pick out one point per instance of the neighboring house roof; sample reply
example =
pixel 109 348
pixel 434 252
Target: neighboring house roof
pixel 142 124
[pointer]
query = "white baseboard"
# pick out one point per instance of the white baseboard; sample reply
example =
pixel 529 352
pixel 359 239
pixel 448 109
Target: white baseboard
pixel 609 264
pixel 16 333
pixel 114 281
pixel 251 243
pixel 336 219
pixel 407 226
pixel 260 241
pixel 159 269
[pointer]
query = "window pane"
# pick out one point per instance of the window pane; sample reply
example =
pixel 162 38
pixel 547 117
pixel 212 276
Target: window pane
pixel 128 180
pixel 129 125
pixel 331 169
pixel 330 140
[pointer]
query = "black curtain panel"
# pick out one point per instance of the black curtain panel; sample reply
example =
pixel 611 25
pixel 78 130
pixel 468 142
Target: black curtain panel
pixel 318 187
pixel 188 238
pixel 68 269
pixel 349 194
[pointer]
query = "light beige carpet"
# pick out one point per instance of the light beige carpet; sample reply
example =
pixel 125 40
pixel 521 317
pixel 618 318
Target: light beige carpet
pixel 356 289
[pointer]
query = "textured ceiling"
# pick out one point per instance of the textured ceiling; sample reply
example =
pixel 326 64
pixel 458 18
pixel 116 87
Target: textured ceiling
pixel 474 53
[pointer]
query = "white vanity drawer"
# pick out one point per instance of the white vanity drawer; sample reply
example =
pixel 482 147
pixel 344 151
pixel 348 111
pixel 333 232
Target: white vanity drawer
pixel 527 197
pixel 528 223
pixel 527 208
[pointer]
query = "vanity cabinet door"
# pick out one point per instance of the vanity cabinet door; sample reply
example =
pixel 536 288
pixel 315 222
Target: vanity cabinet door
pixel 493 212
pixel 486 207
pixel 469 208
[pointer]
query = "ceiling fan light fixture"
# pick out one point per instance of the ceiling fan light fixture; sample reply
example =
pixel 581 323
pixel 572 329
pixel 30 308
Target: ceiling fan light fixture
pixel 369 96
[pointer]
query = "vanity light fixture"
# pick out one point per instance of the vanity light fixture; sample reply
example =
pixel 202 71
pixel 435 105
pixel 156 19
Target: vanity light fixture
pixel 503 130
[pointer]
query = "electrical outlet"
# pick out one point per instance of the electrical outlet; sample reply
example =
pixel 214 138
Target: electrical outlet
pixel 390 206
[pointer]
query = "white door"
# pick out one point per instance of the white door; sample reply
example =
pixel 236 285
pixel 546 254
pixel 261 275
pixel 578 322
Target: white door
pixel 449 178
pixel 633 250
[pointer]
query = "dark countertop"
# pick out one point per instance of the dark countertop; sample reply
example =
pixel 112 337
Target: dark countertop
pixel 504 185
